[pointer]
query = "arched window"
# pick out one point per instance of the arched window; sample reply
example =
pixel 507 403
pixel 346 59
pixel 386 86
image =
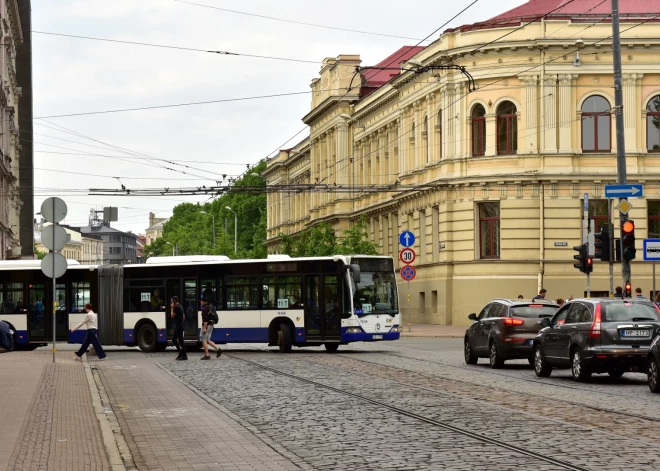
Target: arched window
pixel 478 131
pixel 439 140
pixel 653 125
pixel 507 128
pixel 596 125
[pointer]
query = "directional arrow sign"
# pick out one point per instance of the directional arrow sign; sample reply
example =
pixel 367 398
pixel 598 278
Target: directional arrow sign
pixel 407 239
pixel 632 190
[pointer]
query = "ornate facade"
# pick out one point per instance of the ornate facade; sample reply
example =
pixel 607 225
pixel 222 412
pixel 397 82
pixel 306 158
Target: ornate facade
pixel 10 145
pixel 491 181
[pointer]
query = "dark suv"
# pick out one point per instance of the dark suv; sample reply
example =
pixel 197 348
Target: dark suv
pixel 505 330
pixel 597 336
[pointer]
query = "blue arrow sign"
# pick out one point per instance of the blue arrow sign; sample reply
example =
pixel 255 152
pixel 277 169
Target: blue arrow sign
pixel 631 190
pixel 407 239
pixel 652 250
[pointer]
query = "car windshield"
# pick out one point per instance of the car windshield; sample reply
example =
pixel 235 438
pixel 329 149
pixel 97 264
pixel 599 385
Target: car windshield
pixel 534 311
pixel 376 293
pixel 626 311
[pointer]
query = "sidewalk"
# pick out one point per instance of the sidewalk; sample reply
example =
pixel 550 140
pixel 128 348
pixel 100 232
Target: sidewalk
pixel 47 419
pixel 433 330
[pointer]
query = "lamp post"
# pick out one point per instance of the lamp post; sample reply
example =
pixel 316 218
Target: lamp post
pixel 235 228
pixel 213 221
pixel 169 243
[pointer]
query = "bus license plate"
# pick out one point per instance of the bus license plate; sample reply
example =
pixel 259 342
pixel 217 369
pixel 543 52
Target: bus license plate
pixel 378 337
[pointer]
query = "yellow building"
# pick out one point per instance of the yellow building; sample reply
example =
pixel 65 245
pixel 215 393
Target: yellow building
pixel 491 181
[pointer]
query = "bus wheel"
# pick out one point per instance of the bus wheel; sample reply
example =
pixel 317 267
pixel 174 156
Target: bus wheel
pixel 147 338
pixel 331 347
pixel 284 338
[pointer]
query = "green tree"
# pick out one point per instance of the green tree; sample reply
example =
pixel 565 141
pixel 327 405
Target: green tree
pixel 40 255
pixel 356 240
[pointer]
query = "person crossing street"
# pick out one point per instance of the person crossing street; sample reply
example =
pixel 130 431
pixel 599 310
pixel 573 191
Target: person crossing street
pixel 177 338
pixel 207 330
pixel 90 322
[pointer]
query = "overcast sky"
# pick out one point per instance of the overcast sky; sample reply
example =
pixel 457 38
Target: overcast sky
pixel 77 76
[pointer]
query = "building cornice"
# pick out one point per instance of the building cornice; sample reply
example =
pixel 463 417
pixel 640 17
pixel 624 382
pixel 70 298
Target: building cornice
pixel 327 105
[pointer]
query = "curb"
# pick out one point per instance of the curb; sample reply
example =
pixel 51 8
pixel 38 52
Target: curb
pixel 114 443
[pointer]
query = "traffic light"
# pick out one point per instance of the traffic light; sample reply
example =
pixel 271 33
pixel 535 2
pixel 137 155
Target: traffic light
pixel 628 290
pixel 584 262
pixel 628 240
pixel 603 243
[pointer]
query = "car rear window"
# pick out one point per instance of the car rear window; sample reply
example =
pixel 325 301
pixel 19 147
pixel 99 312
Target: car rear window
pixel 532 311
pixel 618 311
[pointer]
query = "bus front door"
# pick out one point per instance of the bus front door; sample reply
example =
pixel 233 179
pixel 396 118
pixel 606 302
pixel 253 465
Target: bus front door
pixel 322 303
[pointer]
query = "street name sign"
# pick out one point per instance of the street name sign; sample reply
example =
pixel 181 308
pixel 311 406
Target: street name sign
pixel 629 190
pixel 407 239
pixel 652 250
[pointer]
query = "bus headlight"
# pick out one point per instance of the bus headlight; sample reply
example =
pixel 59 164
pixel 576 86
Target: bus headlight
pixel 353 330
pixel 396 328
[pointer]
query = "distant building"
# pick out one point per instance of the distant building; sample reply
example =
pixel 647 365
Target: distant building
pixel 119 247
pixel 141 242
pixel 86 249
pixel 155 229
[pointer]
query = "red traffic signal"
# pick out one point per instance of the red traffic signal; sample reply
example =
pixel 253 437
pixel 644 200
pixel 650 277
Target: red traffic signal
pixel 628 290
pixel 628 250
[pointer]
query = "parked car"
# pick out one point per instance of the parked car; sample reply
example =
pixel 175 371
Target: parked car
pixel 505 330
pixel 653 365
pixel 597 336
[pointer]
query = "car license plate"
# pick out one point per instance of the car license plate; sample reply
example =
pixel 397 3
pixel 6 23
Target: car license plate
pixel 378 337
pixel 530 342
pixel 634 333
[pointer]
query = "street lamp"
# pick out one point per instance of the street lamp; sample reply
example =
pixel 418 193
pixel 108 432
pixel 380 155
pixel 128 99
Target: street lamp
pixel 170 243
pixel 235 228
pixel 213 220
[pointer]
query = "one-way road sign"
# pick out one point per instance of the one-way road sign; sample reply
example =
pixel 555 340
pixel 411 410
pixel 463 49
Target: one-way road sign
pixel 631 190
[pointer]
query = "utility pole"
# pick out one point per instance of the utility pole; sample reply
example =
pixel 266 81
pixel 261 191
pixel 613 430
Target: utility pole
pixel 618 112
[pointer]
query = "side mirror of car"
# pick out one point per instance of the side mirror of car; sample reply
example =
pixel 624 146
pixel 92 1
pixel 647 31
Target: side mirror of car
pixel 545 322
pixel 472 317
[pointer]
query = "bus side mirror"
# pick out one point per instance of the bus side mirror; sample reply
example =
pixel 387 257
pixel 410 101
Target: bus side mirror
pixel 355 270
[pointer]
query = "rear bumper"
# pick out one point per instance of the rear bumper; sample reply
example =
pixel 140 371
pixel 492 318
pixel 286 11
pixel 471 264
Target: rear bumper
pixel 604 358
pixel 516 347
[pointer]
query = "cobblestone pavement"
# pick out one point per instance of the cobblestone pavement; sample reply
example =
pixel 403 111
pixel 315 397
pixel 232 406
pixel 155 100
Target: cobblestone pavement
pixel 373 407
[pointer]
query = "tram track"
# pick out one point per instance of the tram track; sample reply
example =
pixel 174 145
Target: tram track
pixel 565 401
pixel 441 424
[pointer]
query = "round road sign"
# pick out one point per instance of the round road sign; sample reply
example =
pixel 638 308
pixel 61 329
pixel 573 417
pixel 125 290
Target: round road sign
pixel 53 210
pixel 54 265
pixel 408 273
pixel 407 256
pixel 54 237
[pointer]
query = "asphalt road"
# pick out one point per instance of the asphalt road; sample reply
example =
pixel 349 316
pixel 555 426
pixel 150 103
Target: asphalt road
pixel 414 404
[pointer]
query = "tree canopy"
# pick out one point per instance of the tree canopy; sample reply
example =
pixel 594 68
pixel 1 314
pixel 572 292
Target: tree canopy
pixel 192 231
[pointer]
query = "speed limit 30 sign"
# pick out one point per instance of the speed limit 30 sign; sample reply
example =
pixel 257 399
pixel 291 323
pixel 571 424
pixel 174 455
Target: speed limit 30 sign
pixel 407 256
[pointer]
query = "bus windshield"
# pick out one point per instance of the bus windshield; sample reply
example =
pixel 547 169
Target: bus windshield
pixel 376 293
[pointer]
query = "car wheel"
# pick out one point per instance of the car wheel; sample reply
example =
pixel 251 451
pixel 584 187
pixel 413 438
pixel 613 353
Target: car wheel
pixel 654 371
pixel 470 357
pixel 541 366
pixel 496 361
pixel 616 372
pixel 580 371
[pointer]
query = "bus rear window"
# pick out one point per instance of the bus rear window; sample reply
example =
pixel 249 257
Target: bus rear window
pixel 533 311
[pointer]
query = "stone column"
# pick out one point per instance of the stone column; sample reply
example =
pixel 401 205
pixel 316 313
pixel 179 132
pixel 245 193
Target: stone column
pixel 531 112
pixel 566 106
pixel 416 137
pixel 491 134
pixel 430 134
pixel 403 142
pixel 448 126
pixel 342 164
pixel 631 112
pixel 314 165
pixel 458 124
pixel 438 119
pixel 550 102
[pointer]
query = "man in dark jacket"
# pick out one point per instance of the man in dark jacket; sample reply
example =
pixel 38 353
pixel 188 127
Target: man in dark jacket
pixel 618 292
pixel 177 339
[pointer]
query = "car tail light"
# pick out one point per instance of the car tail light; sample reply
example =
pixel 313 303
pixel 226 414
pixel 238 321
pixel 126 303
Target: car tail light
pixel 595 327
pixel 513 321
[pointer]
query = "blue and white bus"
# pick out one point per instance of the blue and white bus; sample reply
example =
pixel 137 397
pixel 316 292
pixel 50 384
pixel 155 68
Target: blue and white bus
pixel 280 301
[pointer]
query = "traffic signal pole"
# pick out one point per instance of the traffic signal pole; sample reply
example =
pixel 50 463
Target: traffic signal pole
pixel 618 112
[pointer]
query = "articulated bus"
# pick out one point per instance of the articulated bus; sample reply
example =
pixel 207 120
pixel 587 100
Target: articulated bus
pixel 280 301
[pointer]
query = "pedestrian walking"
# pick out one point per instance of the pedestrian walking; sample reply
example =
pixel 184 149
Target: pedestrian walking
pixel 177 338
pixel 560 302
pixel 657 299
pixel 207 330
pixel 618 292
pixel 540 296
pixel 638 293
pixel 90 322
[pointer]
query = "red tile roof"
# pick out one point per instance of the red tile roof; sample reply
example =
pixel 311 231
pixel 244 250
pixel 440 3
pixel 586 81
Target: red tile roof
pixel 562 9
pixel 373 79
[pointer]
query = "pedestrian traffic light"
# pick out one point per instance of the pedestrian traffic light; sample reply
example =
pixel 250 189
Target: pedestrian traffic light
pixel 628 291
pixel 582 257
pixel 628 240
pixel 589 265
pixel 603 243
